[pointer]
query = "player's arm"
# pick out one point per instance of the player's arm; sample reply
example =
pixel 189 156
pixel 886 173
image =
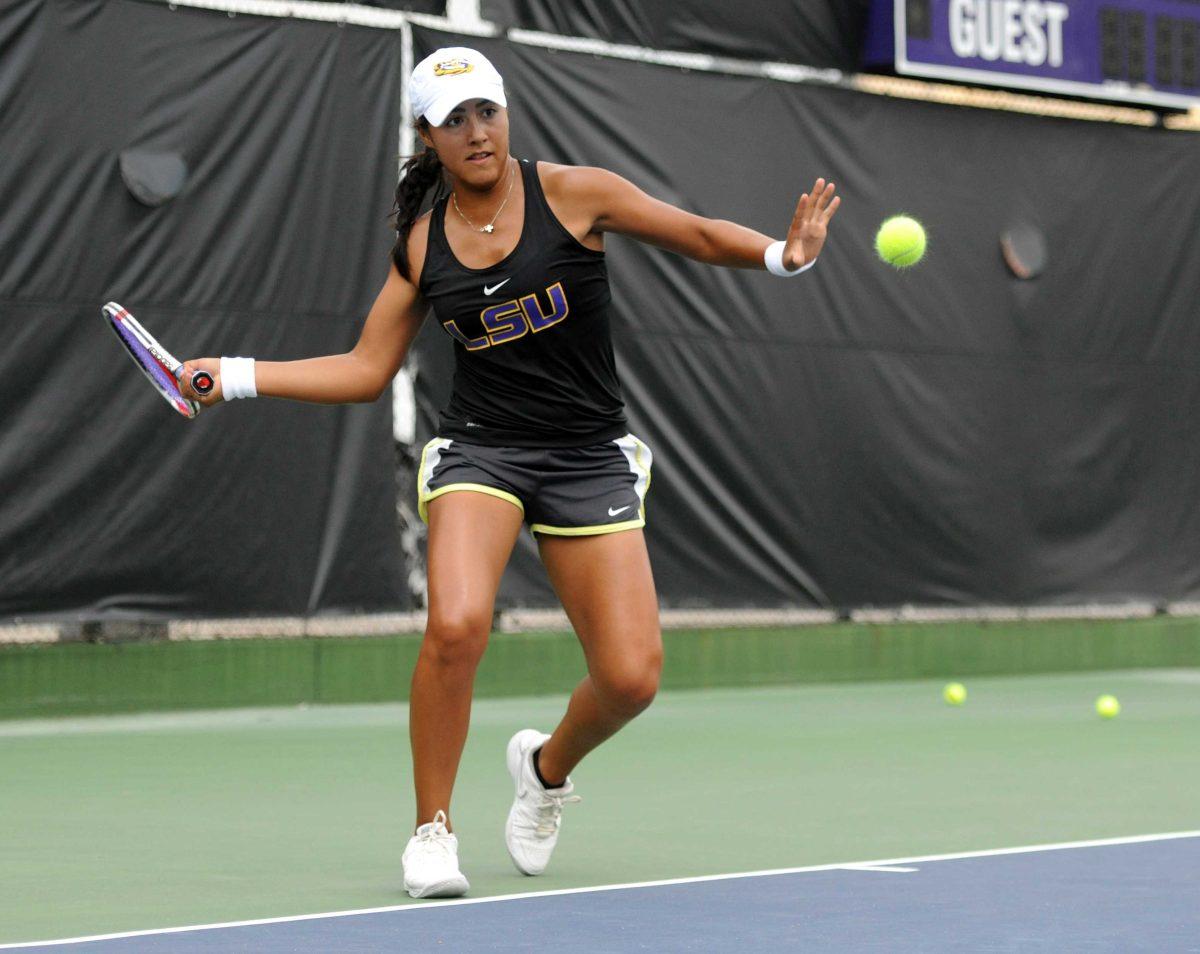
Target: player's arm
pixel 360 375
pixel 617 205
pixel 364 372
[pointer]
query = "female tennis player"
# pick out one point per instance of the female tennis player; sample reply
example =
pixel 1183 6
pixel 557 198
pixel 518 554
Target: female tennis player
pixel 511 261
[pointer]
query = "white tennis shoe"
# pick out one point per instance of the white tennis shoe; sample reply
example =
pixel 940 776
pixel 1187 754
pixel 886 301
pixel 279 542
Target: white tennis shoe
pixel 431 862
pixel 536 814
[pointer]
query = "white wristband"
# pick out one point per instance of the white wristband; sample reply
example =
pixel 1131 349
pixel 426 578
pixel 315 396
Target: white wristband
pixel 773 259
pixel 237 378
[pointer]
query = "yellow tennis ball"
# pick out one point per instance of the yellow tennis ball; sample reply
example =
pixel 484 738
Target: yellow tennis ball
pixel 1107 707
pixel 900 241
pixel 955 693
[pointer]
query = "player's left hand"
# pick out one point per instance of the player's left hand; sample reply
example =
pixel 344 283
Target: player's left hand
pixel 806 235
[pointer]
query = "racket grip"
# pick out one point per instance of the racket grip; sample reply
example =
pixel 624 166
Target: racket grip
pixel 202 382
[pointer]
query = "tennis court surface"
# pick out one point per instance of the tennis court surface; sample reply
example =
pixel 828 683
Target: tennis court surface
pixel 1125 895
pixel 130 825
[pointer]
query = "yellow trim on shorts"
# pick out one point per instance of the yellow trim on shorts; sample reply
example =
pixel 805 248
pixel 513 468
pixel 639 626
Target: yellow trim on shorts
pixel 421 468
pixel 423 502
pixel 587 531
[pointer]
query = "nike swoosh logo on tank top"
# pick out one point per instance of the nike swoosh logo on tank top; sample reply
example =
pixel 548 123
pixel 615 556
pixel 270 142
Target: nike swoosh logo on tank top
pixel 534 365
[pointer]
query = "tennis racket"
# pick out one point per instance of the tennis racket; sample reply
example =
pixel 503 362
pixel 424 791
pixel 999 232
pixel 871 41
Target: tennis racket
pixel 155 361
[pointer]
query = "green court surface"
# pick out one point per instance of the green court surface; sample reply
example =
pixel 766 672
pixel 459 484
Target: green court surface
pixel 118 823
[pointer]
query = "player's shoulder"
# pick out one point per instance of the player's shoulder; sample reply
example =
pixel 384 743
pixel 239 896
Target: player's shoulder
pixel 560 181
pixel 418 245
pixel 420 228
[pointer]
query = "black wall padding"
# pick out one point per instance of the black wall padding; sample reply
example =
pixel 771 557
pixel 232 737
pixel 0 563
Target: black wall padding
pixel 856 436
pixel 275 247
pixel 825 33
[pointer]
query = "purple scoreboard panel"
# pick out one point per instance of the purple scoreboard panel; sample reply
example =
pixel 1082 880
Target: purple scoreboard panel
pixel 1142 51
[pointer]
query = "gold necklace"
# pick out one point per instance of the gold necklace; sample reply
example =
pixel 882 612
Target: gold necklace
pixel 491 226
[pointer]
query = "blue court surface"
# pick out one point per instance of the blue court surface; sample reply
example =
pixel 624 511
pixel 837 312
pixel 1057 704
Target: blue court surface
pixel 1127 894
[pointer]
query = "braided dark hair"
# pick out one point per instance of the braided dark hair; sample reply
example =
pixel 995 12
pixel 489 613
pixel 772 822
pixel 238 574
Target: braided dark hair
pixel 418 175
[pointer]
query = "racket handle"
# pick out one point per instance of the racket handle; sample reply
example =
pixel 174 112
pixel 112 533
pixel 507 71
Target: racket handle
pixel 202 382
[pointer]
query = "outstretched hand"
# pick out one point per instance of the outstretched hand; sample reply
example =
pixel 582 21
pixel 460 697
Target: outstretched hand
pixel 806 235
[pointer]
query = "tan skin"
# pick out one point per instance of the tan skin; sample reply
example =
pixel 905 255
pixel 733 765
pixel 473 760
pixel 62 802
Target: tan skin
pixel 471 535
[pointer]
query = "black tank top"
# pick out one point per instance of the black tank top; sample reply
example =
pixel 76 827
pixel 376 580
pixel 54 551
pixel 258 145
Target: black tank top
pixel 533 358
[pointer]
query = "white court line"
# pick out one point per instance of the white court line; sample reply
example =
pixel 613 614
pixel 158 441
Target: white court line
pixel 877 868
pixel 882 864
pixel 1181 676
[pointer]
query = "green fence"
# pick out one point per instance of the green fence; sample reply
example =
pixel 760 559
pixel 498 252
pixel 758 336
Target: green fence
pixel 78 678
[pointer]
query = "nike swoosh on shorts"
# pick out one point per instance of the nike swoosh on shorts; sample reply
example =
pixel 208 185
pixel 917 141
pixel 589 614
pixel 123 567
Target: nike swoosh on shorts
pixel 613 513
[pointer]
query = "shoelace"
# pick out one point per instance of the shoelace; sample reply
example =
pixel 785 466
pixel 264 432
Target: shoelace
pixel 549 812
pixel 435 835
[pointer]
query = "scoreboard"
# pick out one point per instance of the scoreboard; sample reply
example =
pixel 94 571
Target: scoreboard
pixel 1141 51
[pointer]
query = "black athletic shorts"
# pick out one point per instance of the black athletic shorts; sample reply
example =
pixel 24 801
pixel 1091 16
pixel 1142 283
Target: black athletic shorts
pixel 567 491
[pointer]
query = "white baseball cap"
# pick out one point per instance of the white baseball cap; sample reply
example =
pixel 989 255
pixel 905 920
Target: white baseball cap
pixel 450 76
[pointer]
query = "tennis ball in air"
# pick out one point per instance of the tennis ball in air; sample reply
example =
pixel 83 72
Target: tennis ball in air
pixel 1107 707
pixel 955 693
pixel 900 241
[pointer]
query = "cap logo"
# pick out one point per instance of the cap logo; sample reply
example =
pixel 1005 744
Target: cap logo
pixel 452 67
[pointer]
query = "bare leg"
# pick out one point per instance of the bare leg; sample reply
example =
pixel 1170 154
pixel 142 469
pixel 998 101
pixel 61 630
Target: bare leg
pixel 607 589
pixel 471 536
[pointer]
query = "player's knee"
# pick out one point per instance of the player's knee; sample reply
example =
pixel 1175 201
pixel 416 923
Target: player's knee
pixel 457 639
pixel 632 688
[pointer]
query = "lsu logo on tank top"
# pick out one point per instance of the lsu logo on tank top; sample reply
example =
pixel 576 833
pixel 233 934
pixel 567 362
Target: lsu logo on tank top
pixel 534 364
pixel 514 319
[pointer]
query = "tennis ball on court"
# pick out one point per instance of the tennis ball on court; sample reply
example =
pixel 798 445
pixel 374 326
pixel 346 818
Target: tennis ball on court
pixel 955 693
pixel 1107 707
pixel 900 241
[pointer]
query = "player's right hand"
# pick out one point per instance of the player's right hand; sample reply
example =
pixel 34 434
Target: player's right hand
pixel 213 367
